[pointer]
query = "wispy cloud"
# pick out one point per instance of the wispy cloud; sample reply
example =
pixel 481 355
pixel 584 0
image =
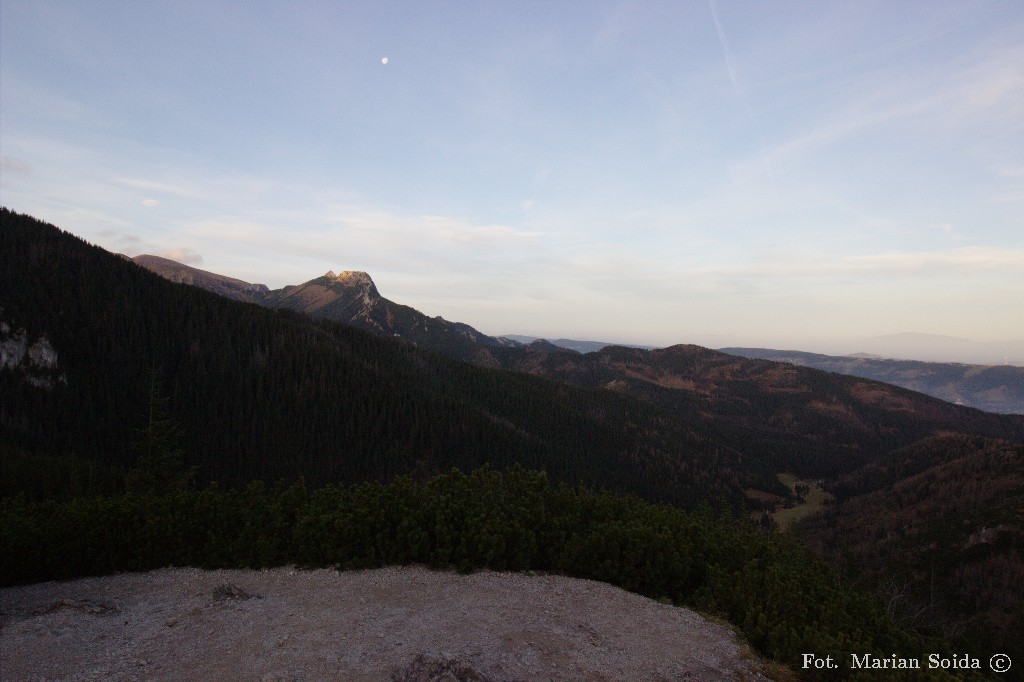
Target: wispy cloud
pixel 965 261
pixel 182 255
pixel 15 165
pixel 990 89
pixel 178 190
pixel 987 90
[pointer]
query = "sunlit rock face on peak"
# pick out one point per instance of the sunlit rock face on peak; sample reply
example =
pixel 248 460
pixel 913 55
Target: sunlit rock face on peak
pixel 356 279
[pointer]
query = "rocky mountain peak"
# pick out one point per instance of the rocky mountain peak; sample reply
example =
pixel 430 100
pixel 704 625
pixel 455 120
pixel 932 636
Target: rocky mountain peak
pixel 357 279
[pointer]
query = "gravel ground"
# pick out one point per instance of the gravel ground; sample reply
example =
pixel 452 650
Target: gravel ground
pixel 401 624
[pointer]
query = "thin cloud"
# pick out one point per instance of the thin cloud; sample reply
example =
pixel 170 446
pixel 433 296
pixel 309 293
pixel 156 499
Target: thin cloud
pixel 491 236
pixel 992 88
pixel 182 255
pixel 973 94
pixel 354 236
pixel 966 260
pixel 184 191
pixel 15 165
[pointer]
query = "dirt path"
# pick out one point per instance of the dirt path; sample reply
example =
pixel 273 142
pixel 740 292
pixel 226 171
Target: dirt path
pixel 388 624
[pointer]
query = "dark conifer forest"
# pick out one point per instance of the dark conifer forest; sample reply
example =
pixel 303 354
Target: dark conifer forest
pixel 259 394
pixel 145 424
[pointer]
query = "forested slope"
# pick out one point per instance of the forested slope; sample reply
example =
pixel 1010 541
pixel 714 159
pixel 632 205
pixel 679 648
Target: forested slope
pixel 266 394
pixel 784 418
pixel 938 528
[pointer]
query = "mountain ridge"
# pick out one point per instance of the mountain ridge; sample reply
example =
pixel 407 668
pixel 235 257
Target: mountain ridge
pixel 814 423
pixel 350 297
pixel 993 388
pixel 942 348
pixel 219 284
pixel 790 411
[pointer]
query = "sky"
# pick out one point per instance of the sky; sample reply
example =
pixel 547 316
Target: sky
pixel 783 174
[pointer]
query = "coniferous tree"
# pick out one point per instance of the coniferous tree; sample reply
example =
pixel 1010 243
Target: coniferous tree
pixel 159 466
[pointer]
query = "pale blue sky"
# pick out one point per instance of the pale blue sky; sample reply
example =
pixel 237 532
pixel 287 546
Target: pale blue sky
pixel 758 173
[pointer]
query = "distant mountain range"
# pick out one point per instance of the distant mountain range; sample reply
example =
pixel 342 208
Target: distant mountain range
pixel 904 346
pixel 352 298
pixel 939 348
pixel 804 420
pixel 995 388
pixel 573 344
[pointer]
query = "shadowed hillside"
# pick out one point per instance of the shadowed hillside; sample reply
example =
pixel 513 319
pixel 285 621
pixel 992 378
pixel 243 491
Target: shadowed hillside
pixel 938 527
pixel 260 394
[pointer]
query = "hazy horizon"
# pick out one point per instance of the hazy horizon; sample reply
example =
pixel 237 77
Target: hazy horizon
pixel 903 345
pixel 792 176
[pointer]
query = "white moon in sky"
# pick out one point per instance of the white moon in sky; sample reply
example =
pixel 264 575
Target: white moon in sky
pixel 384 61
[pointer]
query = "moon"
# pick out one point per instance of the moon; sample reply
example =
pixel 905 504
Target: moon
pixel 384 61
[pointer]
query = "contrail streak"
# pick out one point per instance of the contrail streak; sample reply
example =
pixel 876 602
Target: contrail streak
pixel 731 68
pixel 725 46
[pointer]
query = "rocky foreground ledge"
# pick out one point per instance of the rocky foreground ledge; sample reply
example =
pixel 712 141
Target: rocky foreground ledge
pixel 399 624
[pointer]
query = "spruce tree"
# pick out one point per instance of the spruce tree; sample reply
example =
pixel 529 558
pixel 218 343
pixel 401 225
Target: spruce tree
pixel 159 465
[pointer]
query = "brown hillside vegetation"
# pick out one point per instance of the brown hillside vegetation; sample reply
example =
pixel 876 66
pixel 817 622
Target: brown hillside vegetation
pixel 939 528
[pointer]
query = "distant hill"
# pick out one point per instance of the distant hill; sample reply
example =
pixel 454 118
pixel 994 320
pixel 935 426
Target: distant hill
pixel 352 297
pixel 939 348
pixel 572 344
pixel 997 388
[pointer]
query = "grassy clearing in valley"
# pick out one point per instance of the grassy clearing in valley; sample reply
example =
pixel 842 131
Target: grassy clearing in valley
pixel 814 500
